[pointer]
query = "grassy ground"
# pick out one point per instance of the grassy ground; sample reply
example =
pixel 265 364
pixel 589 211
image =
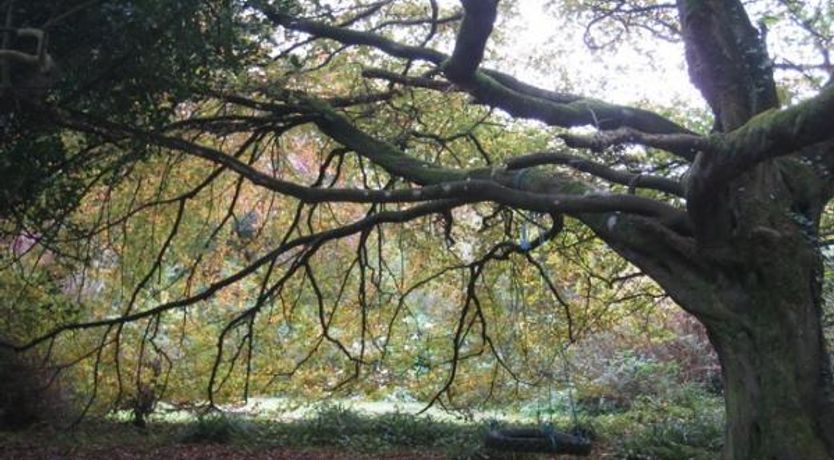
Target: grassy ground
pixel 335 435
pixel 338 432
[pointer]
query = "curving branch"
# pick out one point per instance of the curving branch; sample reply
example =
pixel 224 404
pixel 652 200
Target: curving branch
pixel 683 145
pixel 490 87
pixel 633 180
pixel 416 82
pixel 471 40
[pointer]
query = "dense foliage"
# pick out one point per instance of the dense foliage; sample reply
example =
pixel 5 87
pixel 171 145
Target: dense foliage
pixel 215 200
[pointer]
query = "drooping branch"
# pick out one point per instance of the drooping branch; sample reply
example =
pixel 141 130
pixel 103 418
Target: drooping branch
pixel 215 287
pixel 471 303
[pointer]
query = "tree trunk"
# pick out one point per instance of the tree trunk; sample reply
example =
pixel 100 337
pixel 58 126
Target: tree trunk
pixel 759 297
pixel 776 370
pixel 776 394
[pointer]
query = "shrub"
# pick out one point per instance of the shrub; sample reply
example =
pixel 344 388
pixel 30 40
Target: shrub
pixel 28 394
pixel 626 377
pixel 612 370
pixel 688 425
pixel 215 428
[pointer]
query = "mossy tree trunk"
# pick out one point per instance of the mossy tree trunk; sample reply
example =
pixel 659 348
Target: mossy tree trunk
pixel 752 275
pixel 776 372
pixel 776 384
pixel 760 271
pixel 755 210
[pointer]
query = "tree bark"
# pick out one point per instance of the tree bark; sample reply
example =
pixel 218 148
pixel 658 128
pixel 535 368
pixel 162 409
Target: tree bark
pixel 776 370
pixel 776 387
pixel 752 275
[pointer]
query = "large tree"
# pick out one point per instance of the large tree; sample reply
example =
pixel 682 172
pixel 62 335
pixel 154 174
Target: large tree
pixel 730 231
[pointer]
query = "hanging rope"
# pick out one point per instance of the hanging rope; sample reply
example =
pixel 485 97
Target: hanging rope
pixel 525 240
pixel 569 382
pixel 545 439
pixel 566 365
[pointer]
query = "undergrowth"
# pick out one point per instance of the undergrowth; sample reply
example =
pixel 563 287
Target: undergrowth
pixel 686 426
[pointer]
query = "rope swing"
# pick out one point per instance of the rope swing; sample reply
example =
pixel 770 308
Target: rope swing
pixel 545 440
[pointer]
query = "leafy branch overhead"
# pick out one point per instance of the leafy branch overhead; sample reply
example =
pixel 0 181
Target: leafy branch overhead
pixel 354 173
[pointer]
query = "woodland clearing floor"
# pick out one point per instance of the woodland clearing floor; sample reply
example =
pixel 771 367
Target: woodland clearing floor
pixel 26 451
pixel 196 452
pixel 98 439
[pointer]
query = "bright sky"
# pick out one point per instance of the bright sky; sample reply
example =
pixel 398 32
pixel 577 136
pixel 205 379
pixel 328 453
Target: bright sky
pixel 552 54
pixel 621 76
pixel 549 51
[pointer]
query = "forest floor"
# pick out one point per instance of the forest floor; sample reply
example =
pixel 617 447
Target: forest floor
pixel 34 450
pixel 335 432
pixel 120 441
pixel 23 451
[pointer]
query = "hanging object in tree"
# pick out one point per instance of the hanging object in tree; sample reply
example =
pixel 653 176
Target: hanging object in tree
pixel 246 226
pixel 525 241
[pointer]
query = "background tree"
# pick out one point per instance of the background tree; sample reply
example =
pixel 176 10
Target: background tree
pixel 346 120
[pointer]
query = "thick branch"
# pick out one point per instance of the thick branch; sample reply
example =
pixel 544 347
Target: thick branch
pixel 384 154
pixel 683 145
pixel 447 183
pixel 727 60
pixel 397 163
pixel 599 170
pixel 670 259
pixel 471 40
pixel 772 134
pixel 499 90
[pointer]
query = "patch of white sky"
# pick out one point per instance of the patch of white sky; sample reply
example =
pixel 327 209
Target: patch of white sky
pixel 550 52
pixel 540 48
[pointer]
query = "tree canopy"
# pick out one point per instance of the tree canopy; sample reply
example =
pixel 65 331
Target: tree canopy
pixel 372 187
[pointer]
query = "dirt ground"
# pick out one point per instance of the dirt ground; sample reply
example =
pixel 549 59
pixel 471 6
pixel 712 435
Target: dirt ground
pixel 193 451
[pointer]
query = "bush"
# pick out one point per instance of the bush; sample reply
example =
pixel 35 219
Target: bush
pixel 625 378
pixel 613 370
pixel 688 425
pixel 216 428
pixel 28 395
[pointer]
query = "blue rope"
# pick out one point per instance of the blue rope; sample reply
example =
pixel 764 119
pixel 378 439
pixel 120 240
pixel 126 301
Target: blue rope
pixel 518 177
pixel 525 241
pixel 550 431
